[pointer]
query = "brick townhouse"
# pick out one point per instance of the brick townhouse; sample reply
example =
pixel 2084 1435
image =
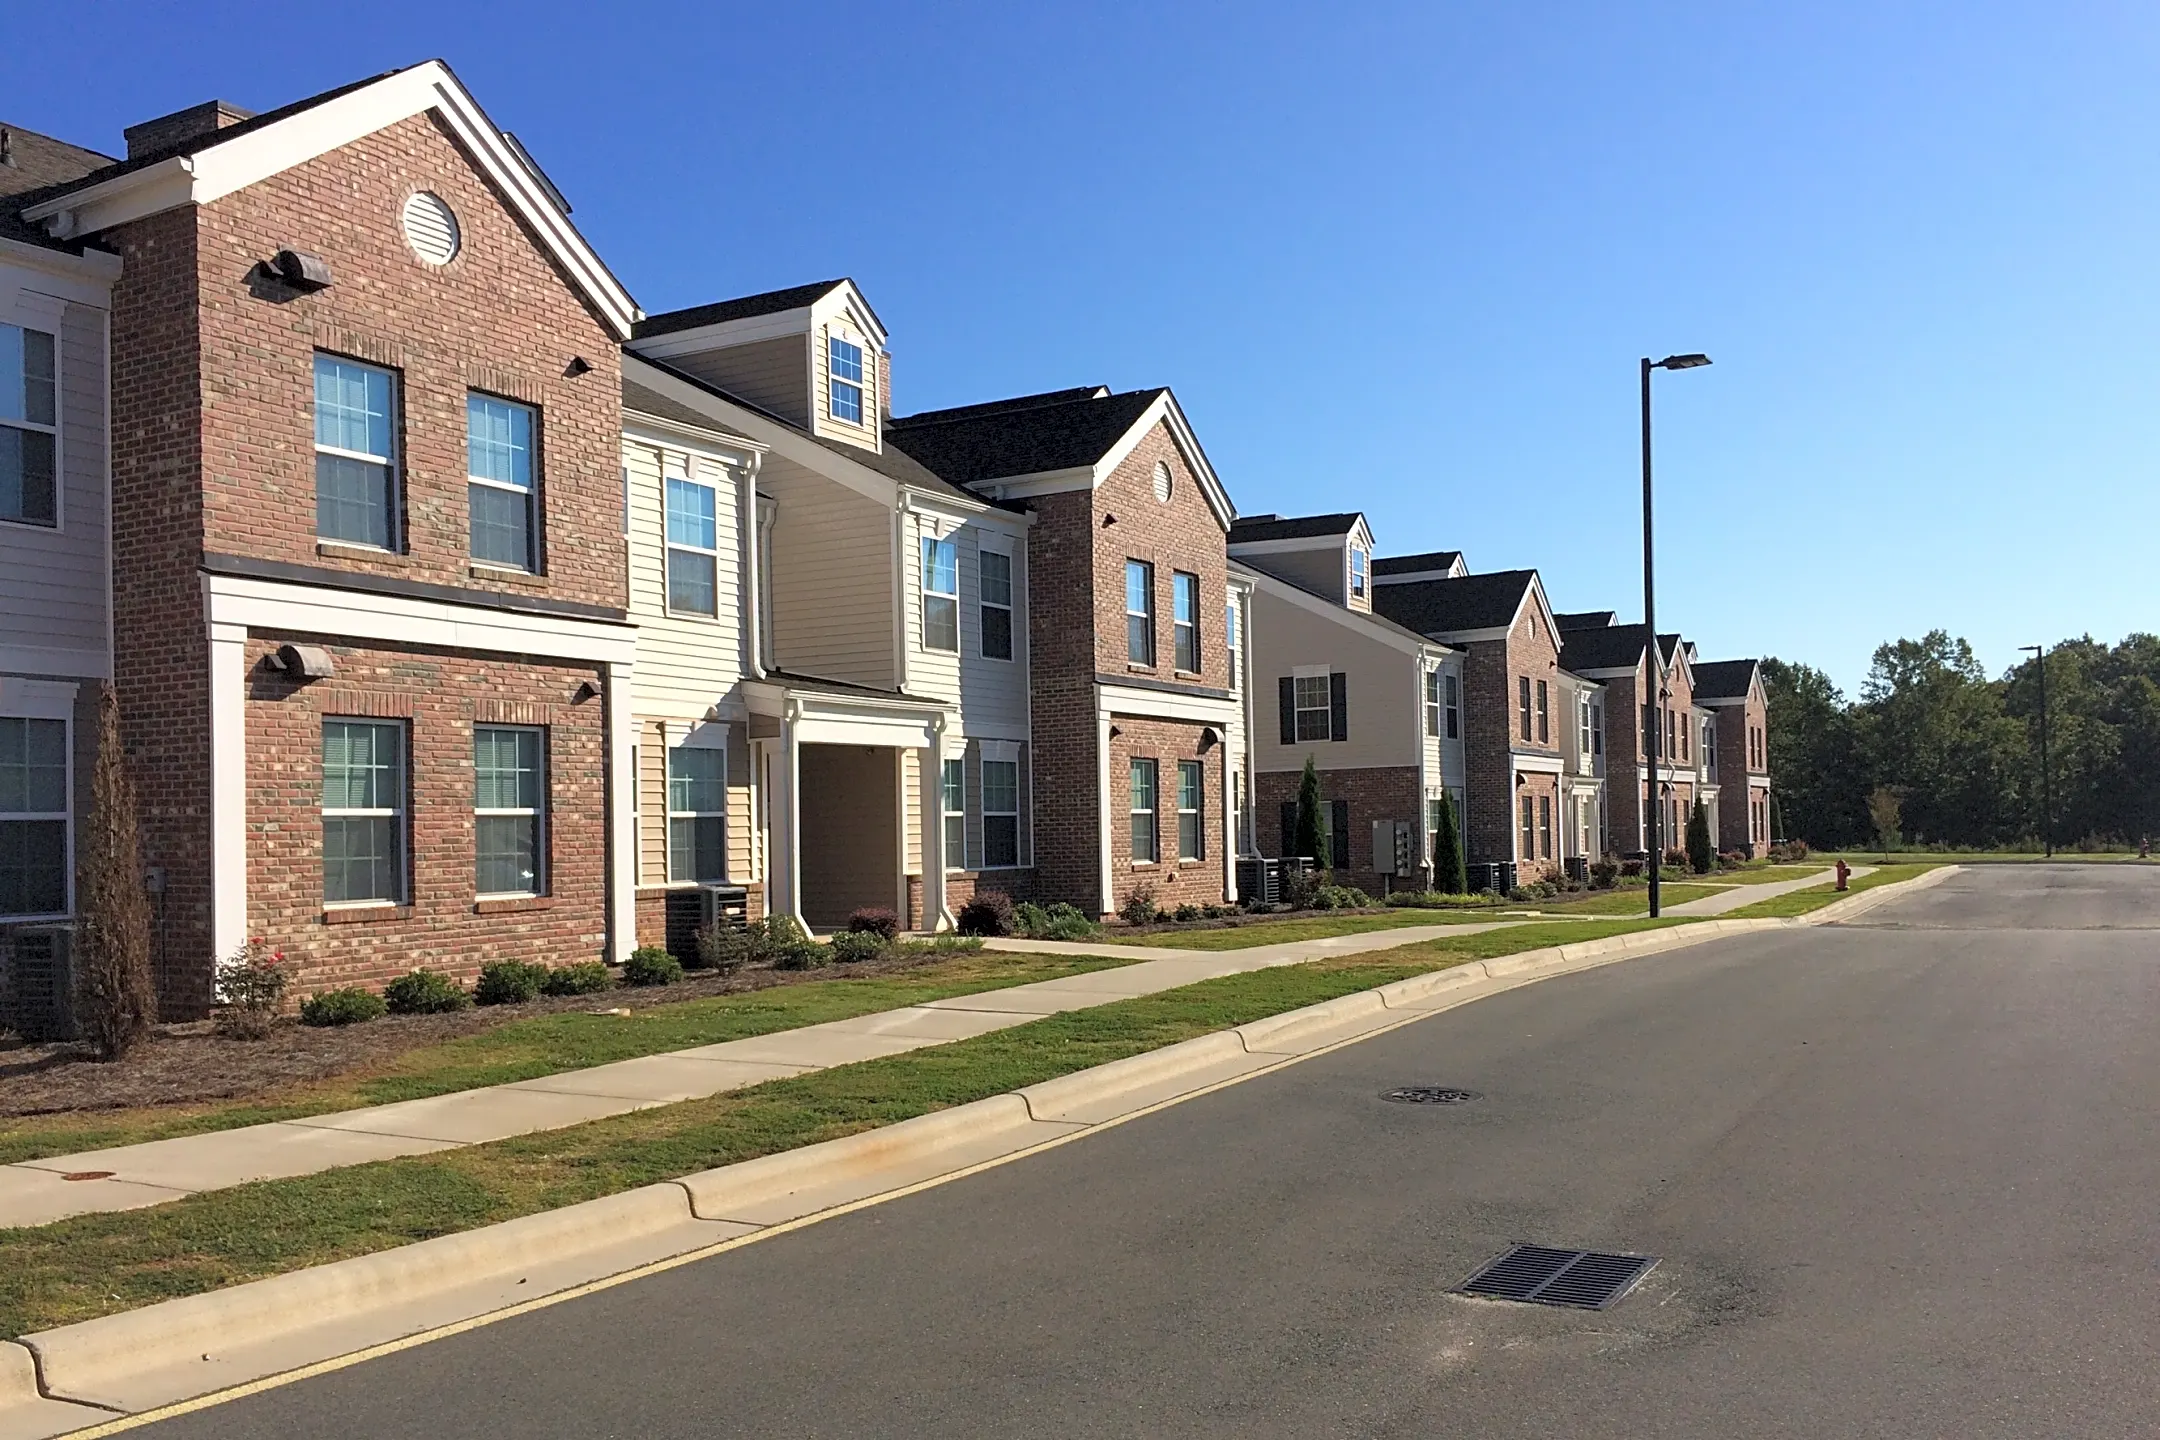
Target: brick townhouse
pixel 1376 707
pixel 1515 709
pixel 1690 762
pixel 1738 742
pixel 368 599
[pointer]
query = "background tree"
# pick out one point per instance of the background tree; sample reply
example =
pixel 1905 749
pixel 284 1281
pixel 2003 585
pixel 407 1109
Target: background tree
pixel 1701 856
pixel 1814 757
pixel 1308 836
pixel 116 1001
pixel 1883 809
pixel 1450 874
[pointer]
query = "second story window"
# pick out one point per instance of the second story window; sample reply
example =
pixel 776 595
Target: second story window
pixel 693 548
pixel 29 427
pixel 1522 703
pixel 1432 703
pixel 1709 744
pixel 1230 641
pixel 1585 736
pixel 940 594
pixel 1597 728
pixel 499 482
pixel 1454 708
pixel 355 454
pixel 846 362
pixel 1314 708
pixel 1544 714
pixel 997 605
pixel 1185 621
pixel 1139 612
pixel 1357 574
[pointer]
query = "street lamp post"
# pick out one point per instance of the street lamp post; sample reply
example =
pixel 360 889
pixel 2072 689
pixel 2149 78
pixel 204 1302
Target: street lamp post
pixel 1655 796
pixel 2047 798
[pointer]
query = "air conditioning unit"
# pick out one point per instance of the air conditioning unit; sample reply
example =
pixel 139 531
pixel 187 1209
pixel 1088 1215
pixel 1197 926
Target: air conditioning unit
pixel 689 911
pixel 723 905
pixel 41 981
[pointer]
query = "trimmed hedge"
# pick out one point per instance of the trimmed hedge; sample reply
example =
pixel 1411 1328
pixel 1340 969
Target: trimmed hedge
pixel 651 965
pixel 509 982
pixel 425 992
pixel 342 1007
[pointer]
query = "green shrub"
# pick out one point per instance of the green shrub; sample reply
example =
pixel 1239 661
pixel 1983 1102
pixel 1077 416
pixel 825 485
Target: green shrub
pixel 723 947
pixel 851 947
pixel 1437 900
pixel 1031 919
pixel 1186 914
pixel 342 1007
pixel 1701 856
pixel 989 913
pixel 779 941
pixel 509 982
pixel 1604 874
pixel 1139 906
pixel 425 992
pixel 873 921
pixel 651 965
pixel 1339 897
pixel 946 944
pixel 588 977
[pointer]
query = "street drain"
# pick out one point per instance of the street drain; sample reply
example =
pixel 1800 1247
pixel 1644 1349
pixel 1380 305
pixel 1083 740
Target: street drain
pixel 1540 1275
pixel 1430 1095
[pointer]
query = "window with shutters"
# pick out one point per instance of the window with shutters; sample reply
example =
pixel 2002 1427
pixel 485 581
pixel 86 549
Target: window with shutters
pixel 1522 703
pixel 29 430
pixel 995 572
pixel 1313 708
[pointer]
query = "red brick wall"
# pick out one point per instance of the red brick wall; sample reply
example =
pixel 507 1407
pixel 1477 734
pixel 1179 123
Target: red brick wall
pixel 440 695
pixel 1493 733
pixel 1377 793
pixel 1175 882
pixel 1061 700
pixel 1625 773
pixel 1181 535
pixel 1734 722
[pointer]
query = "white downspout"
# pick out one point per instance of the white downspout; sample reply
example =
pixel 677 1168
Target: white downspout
pixel 753 564
pixel 902 508
pixel 1419 669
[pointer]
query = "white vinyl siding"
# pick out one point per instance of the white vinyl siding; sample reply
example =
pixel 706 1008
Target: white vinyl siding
pixel 687 660
pixel 828 382
pixel 832 577
pixel 52 578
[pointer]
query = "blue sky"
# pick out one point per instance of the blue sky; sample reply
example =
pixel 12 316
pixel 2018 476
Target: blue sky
pixel 1403 258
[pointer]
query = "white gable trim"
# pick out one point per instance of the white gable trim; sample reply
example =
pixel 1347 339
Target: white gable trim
pixel 248 159
pixel 1167 408
pixel 845 302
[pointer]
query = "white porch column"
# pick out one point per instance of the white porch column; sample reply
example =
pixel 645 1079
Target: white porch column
pixel 621 813
pixel 937 915
pixel 228 788
pixel 1227 804
pixel 791 811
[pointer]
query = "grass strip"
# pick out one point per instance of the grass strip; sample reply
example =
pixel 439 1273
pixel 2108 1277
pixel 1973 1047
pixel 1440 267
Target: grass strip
pixel 102 1264
pixel 548 1045
pixel 1801 902
pixel 1311 927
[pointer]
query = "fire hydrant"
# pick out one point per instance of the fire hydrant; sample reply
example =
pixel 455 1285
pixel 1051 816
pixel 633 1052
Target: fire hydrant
pixel 1844 873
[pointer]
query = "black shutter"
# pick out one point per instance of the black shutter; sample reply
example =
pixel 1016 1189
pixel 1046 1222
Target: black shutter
pixel 1339 832
pixel 1289 830
pixel 1288 690
pixel 1338 699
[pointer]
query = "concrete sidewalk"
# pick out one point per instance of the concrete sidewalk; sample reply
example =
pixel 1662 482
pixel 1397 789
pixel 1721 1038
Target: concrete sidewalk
pixel 1744 894
pixel 128 1177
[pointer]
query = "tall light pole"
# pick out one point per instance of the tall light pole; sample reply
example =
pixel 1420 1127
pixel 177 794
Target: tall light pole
pixel 2047 798
pixel 1656 795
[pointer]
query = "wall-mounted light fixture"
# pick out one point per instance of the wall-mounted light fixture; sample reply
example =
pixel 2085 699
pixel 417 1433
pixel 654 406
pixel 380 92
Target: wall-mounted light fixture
pixel 301 270
pixel 586 690
pixel 578 365
pixel 304 662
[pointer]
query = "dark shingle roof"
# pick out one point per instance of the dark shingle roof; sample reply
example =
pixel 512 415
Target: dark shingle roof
pixel 1414 564
pixel 1004 407
pixel 1601 647
pixel 1668 647
pixel 772 302
pixel 38 164
pixel 1586 619
pixel 1723 679
pixel 980 443
pixel 652 402
pixel 1446 607
pixel 1250 528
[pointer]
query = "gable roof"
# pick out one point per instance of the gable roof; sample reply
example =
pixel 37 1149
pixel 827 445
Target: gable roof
pixel 1433 564
pixel 37 164
pixel 1252 528
pixel 205 167
pixel 1586 619
pixel 719 312
pixel 1459 605
pixel 1060 437
pixel 1602 647
pixel 1725 679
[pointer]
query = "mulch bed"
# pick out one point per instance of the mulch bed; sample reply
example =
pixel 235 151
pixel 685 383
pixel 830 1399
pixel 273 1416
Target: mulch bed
pixel 190 1063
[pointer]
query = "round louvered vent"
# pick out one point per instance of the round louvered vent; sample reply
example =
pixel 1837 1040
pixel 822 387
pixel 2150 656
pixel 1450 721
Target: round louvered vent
pixel 1162 481
pixel 431 228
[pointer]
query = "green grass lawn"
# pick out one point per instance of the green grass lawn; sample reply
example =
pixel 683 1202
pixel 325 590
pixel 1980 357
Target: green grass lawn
pixel 1632 901
pixel 549 1045
pixel 1996 857
pixel 1312 927
pixel 102 1264
pixel 1800 902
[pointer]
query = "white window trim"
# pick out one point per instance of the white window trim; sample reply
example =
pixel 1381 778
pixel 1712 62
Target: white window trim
pixel 1152 811
pixel 1148 614
pixel 863 388
pixel 1434 717
pixel 539 814
pixel 26 316
pixel 924 594
pixel 1299 709
pixel 393 468
pixel 689 476
pixel 1451 700
pixel 1178 579
pixel 47 700
pixel 1198 811
pixel 531 492
pixel 696 737
pixel 954 821
pixel 997 753
pixel 397 812
pixel 1011 607
pixel 1360 573
pixel 1230 640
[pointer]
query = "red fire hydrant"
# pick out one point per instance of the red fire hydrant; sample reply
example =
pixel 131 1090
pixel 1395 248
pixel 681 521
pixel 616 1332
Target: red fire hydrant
pixel 1844 873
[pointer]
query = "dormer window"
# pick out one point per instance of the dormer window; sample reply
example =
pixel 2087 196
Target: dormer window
pixel 1357 573
pixel 845 362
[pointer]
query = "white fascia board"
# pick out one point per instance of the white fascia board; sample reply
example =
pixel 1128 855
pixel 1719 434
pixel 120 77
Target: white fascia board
pixel 1536 593
pixel 659 430
pixel 1181 432
pixel 1459 638
pixel 245 160
pixel 1353 620
pixel 1114 700
pixel 948 506
pixel 1046 482
pixel 1412 577
pixel 747 331
pixel 1603 673
pixel 1537 764
pixel 1361 535
pixel 1721 702
pixel 84 279
pixel 845 300
pixel 403 620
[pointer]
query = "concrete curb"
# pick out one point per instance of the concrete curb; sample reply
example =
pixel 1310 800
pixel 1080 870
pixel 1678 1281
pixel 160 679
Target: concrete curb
pixel 196 1346
pixel 1867 900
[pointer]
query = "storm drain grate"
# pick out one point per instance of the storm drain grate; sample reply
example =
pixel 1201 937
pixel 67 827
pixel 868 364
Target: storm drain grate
pixel 1541 1275
pixel 1430 1095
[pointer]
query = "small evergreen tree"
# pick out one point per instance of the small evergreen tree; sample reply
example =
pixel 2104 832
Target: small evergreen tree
pixel 1701 855
pixel 1450 872
pixel 116 1001
pixel 1308 837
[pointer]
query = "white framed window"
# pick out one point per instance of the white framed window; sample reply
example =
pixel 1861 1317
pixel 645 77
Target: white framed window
pixel 1146 848
pixel 1230 641
pixel 1139 612
pixel 33 817
pixel 29 427
pixel 1434 818
pixel 1191 788
pixel 509 809
pixel 1185 621
pixel 697 812
pixel 1544 826
pixel 1432 702
pixel 363 812
pixel 1001 813
pixel 1453 703
pixel 1544 713
pixel 994 571
pixel 1315 713
pixel 1357 573
pixel 1597 727
pixel 693 547
pixel 1585 736
pixel 355 453
pixel 1522 703
pixel 940 594
pixel 952 797
pixel 1529 829
pixel 1709 744
pixel 502 495
pixel 845 360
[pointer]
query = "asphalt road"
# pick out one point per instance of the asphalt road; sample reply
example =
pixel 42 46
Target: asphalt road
pixel 1904 1177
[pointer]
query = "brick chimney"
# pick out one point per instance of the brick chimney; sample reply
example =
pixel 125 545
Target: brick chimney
pixel 168 131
